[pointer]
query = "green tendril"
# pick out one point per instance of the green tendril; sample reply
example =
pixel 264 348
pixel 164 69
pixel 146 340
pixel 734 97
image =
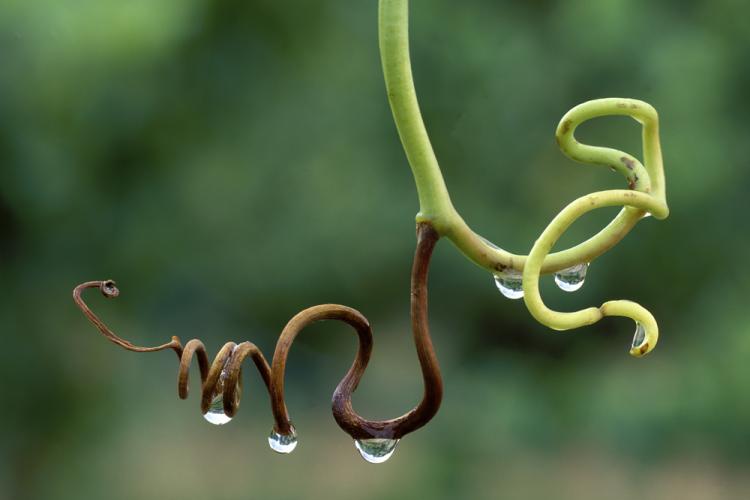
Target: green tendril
pixel 645 193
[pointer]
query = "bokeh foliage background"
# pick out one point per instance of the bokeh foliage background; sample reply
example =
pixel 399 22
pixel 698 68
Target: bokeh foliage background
pixel 231 162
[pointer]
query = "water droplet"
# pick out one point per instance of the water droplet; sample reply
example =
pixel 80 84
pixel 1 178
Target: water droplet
pixel 572 278
pixel 646 215
pixel 510 284
pixel 640 335
pixel 215 413
pixel 377 450
pixel 283 443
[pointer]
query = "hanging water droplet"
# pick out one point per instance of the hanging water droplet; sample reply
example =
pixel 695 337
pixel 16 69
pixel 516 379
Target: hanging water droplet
pixel 640 335
pixel 510 284
pixel 572 278
pixel 215 413
pixel 377 450
pixel 283 443
pixel 646 215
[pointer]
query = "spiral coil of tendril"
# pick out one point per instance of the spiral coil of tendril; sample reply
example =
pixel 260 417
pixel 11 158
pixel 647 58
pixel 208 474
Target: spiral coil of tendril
pixel 221 379
pixel 645 196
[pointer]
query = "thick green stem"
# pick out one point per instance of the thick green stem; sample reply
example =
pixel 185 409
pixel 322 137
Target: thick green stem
pixel 434 202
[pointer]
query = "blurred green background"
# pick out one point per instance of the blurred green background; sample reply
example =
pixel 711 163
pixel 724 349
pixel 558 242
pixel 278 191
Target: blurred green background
pixel 232 162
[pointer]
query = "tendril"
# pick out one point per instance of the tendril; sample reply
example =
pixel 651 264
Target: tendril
pixel 645 193
pixel 644 196
pixel 223 375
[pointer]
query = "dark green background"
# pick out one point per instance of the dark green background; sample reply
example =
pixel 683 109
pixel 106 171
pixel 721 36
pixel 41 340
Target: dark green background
pixel 232 162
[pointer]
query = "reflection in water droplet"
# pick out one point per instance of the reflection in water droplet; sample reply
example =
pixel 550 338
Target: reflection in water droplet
pixel 283 443
pixel 647 214
pixel 640 335
pixel 376 451
pixel 510 284
pixel 215 413
pixel 572 278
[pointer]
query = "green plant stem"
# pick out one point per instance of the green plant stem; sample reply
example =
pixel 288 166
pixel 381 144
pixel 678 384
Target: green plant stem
pixel 568 320
pixel 646 193
pixel 434 201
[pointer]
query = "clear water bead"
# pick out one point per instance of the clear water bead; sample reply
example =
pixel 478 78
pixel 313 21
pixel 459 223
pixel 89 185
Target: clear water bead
pixel 572 278
pixel 377 450
pixel 510 284
pixel 215 413
pixel 283 443
pixel 640 335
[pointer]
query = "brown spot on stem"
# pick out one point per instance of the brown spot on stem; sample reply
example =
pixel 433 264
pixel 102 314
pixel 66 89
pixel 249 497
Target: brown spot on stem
pixel 628 162
pixel 566 126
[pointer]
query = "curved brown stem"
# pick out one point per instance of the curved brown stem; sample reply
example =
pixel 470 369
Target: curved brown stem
pixel 110 291
pixel 224 373
pixel 343 411
pixel 233 369
pixel 228 360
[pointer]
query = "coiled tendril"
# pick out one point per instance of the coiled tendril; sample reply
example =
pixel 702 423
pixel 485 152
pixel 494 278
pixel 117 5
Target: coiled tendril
pixel 645 196
pixel 222 378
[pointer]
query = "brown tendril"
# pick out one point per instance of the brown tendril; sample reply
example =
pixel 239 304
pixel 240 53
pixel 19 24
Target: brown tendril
pixel 225 372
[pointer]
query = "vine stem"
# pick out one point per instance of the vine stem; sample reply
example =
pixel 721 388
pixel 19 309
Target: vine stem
pixel 223 375
pixel 435 204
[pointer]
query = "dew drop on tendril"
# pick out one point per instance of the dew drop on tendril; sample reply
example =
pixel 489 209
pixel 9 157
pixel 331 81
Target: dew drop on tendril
pixel 572 278
pixel 377 450
pixel 510 284
pixel 215 413
pixel 283 443
pixel 640 335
